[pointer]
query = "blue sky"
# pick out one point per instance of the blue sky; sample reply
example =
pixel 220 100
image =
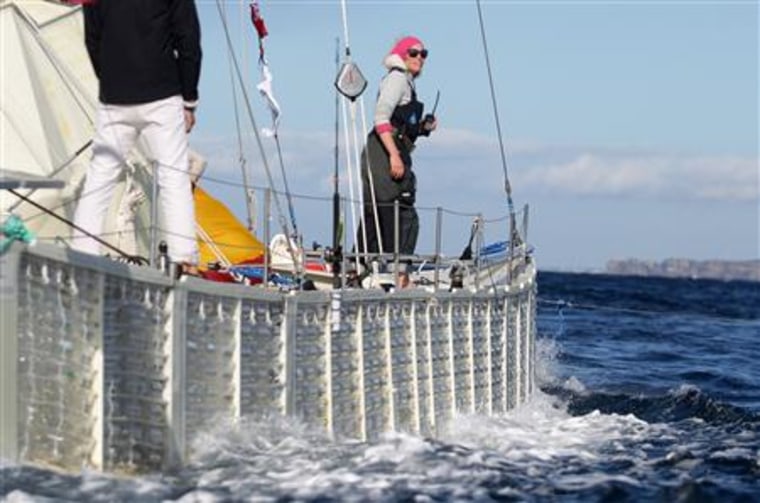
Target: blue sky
pixel 631 127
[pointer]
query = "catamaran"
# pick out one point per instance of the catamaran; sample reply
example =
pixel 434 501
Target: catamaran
pixel 113 363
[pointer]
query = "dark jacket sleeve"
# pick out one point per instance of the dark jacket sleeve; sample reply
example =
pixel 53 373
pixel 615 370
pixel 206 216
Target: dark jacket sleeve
pixel 186 33
pixel 92 34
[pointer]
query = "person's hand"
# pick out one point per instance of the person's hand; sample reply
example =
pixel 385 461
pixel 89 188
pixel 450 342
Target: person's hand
pixel 431 125
pixel 397 167
pixel 428 125
pixel 189 119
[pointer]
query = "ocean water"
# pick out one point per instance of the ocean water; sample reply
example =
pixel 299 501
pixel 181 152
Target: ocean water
pixel 650 391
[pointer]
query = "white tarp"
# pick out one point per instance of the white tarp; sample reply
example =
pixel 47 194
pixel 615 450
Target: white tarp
pixel 45 116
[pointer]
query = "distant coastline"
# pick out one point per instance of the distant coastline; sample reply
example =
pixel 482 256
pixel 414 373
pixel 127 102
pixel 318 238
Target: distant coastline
pixel 748 270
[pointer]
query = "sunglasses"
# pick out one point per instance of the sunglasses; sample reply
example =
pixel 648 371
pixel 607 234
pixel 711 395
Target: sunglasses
pixel 413 53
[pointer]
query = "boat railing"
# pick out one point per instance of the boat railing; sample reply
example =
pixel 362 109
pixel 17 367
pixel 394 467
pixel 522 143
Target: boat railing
pixel 444 233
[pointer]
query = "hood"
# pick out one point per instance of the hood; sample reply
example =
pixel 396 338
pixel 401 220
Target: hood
pixel 394 61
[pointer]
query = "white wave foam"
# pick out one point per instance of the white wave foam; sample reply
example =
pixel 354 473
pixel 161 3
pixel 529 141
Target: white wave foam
pixel 541 429
pixel 547 360
pixel 18 496
pixel 280 456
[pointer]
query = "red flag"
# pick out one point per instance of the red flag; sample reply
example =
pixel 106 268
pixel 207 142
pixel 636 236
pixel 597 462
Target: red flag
pixel 258 21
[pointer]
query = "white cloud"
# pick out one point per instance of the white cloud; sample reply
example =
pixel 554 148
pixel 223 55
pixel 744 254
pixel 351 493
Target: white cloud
pixel 453 160
pixel 605 172
pixel 646 175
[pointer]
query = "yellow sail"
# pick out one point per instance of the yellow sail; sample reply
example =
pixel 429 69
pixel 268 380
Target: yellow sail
pixel 230 240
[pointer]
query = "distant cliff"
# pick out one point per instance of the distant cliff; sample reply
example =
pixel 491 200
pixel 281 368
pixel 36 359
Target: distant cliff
pixel 748 270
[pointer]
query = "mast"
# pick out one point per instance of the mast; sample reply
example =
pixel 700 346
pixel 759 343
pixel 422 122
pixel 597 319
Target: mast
pixel 337 251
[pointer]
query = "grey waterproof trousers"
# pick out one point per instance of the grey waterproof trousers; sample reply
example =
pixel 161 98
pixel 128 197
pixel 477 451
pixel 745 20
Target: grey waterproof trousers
pixel 375 163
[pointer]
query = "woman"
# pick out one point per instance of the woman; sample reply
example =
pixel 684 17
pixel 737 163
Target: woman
pixel 387 174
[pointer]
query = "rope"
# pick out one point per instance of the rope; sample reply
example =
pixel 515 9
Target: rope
pixel 213 246
pixel 131 258
pixel 13 229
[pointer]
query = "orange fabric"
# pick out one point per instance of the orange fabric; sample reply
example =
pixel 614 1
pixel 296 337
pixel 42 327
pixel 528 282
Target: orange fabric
pixel 231 237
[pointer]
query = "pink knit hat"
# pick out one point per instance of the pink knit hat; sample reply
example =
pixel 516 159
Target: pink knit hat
pixel 403 45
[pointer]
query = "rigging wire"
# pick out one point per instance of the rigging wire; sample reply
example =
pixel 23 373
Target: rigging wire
pixel 350 172
pixel 370 178
pixel 502 152
pixel 344 18
pixel 241 156
pixel 265 90
pixel 55 171
pixel 512 231
pixel 356 141
pixel 288 195
pixel 309 197
pixel 353 150
pixel 130 258
pixel 278 207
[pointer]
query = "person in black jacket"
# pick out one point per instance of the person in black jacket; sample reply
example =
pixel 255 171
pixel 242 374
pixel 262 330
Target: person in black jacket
pixel 147 57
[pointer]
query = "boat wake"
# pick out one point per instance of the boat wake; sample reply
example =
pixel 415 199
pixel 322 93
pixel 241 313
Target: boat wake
pixel 565 442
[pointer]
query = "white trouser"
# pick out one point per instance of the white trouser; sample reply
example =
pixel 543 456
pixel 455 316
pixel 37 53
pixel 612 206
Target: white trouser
pixel 161 124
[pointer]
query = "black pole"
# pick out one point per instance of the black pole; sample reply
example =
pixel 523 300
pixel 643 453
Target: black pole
pixel 337 251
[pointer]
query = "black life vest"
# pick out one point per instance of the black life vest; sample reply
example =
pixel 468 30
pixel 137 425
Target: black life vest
pixel 406 118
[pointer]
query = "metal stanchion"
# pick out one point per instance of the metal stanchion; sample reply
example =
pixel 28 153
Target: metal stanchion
pixel 438 230
pixel 267 231
pixel 152 255
pixel 396 241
